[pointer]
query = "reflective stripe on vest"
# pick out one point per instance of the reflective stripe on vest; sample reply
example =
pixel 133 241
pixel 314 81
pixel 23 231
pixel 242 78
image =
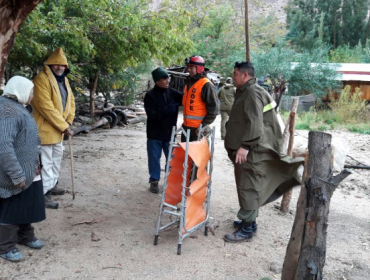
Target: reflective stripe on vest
pixel 194 108
pixel 193 117
pixel 269 107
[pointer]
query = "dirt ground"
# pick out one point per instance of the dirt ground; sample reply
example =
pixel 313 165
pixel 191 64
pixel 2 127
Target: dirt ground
pixel 113 203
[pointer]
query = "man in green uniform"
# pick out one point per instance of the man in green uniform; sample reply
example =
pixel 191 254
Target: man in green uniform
pixel 226 94
pixel 253 142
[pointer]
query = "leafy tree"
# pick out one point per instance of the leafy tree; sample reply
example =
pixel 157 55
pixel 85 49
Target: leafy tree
pixel 12 15
pixel 335 22
pixel 306 72
pixel 328 21
pixel 220 38
pixel 300 22
pixel 313 74
pixel 354 14
pixel 217 40
pixel 266 31
pixel 102 38
pixel 346 54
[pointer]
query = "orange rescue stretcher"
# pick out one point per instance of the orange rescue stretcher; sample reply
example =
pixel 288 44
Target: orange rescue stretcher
pixel 187 184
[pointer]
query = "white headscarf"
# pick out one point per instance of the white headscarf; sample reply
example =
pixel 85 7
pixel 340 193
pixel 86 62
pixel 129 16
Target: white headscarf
pixel 20 88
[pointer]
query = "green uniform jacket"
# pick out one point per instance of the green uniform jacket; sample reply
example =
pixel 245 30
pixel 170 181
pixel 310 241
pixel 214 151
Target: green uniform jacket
pixel 253 125
pixel 226 94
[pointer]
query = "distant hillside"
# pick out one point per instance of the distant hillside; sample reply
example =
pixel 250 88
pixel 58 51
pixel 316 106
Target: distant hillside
pixel 256 7
pixel 270 6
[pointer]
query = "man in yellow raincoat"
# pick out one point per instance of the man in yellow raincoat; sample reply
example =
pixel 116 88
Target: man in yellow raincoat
pixel 54 111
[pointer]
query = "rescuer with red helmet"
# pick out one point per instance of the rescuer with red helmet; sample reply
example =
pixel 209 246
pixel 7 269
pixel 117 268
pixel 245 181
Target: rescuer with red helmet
pixel 199 101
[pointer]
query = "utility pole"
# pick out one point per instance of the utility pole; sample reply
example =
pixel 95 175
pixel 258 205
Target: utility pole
pixel 248 55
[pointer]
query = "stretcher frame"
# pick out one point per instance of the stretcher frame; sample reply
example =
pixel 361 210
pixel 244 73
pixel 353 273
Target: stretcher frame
pixel 180 212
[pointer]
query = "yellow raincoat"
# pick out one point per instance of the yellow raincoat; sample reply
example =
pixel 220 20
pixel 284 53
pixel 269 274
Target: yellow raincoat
pixel 47 102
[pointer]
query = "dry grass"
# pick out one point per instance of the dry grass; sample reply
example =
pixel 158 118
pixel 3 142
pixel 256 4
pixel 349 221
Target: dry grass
pixel 349 108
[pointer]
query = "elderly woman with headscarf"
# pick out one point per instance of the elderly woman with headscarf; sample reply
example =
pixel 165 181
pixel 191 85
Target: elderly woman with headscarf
pixel 21 190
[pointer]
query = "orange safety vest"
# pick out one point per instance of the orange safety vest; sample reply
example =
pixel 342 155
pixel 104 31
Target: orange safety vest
pixel 194 108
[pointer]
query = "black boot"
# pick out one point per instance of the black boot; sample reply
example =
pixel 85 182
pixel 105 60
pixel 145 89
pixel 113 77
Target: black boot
pixel 50 204
pixel 238 224
pixel 56 190
pixel 154 187
pixel 244 233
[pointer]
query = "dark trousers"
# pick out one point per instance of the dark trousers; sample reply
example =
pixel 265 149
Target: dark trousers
pixel 10 235
pixel 193 134
pixel 154 149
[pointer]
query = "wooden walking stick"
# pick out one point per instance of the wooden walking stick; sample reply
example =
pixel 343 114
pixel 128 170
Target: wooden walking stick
pixel 71 163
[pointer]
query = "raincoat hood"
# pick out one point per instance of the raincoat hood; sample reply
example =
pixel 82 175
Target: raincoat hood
pixel 58 57
pixel 20 88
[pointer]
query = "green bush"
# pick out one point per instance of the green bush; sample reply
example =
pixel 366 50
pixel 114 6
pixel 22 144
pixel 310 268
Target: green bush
pixel 362 128
pixel 348 112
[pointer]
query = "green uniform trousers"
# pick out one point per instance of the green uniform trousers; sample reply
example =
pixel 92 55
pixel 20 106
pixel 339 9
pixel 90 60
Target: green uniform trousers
pixel 247 216
pixel 260 183
pixel 224 118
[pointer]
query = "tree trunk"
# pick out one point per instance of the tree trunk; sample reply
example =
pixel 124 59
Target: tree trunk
pixel 367 33
pixel 289 133
pixel 12 15
pixel 34 72
pixel 309 232
pixel 92 95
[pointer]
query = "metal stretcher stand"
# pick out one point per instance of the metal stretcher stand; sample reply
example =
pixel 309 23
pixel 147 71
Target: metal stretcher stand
pixel 187 184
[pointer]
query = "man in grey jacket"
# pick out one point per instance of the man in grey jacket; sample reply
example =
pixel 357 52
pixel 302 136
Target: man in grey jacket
pixel 226 94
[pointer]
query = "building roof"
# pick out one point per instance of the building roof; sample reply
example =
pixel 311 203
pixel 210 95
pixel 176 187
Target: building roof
pixel 349 71
pixel 354 71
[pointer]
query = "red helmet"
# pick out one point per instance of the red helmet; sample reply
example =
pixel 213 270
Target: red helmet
pixel 197 61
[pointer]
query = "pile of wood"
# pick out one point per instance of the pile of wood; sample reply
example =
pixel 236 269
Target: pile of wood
pixel 107 117
pixel 131 111
pixel 134 114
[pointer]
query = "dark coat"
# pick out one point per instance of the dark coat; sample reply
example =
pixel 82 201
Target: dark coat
pixel 162 107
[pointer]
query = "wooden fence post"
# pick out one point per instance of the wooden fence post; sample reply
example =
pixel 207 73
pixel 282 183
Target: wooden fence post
pixel 288 146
